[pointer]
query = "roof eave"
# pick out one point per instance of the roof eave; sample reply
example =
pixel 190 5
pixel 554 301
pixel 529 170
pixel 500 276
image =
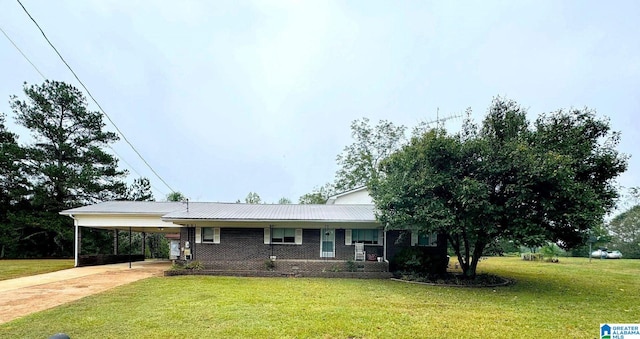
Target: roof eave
pixel 187 220
pixel 96 213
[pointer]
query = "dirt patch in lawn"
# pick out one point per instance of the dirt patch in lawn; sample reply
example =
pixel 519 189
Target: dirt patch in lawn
pixel 18 302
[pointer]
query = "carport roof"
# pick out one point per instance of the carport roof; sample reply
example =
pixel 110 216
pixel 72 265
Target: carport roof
pixel 128 207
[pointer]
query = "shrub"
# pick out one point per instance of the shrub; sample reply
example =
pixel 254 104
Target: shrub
pixel 551 252
pixel 351 266
pixel 420 260
pixel 270 265
pixel 532 256
pixel 195 265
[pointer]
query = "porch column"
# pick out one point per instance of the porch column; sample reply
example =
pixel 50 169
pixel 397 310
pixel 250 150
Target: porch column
pixel 115 242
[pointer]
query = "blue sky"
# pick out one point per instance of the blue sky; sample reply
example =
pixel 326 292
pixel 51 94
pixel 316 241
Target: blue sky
pixel 228 97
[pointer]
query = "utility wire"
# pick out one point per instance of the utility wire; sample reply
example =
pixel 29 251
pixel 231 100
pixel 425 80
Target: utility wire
pixel 45 78
pixel 19 50
pixel 94 100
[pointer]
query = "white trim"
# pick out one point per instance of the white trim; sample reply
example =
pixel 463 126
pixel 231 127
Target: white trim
pixel 380 236
pixel 198 235
pixel 267 235
pixel 216 235
pixel 384 245
pixel 433 239
pixel 347 237
pixel 357 189
pixel 332 237
pixel 298 236
pixel 75 243
pixel 414 238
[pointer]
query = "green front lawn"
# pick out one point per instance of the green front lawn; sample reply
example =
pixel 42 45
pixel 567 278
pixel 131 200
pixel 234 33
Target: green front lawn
pixel 14 268
pixel 565 300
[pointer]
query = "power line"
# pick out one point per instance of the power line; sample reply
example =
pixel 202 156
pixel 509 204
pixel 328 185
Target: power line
pixel 19 50
pixel 45 78
pixel 94 100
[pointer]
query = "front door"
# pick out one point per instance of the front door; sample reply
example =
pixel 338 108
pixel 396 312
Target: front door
pixel 327 243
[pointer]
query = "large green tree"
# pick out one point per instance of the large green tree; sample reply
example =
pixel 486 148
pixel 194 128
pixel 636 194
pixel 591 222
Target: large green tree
pixel 625 233
pixel 176 196
pixel 140 190
pixel 66 162
pixel 318 196
pixel 359 162
pixel 284 201
pixel 252 198
pixel 12 177
pixel 506 179
pixel 12 188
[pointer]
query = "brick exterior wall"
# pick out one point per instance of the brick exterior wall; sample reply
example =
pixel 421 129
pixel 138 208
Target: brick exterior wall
pixel 244 249
pixel 242 244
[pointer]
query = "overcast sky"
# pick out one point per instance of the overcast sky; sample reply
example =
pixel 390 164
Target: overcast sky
pixel 227 97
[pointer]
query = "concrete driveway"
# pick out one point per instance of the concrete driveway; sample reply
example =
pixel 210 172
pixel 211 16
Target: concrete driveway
pixel 26 295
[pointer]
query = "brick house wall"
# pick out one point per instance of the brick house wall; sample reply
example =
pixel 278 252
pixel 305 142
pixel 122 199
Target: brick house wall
pixel 244 244
pixel 244 248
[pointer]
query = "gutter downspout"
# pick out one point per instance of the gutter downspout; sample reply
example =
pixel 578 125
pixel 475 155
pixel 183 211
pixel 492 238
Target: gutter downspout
pixel 384 245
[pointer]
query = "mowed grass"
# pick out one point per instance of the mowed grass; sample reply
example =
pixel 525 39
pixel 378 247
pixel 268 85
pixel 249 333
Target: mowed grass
pixel 10 268
pixel 565 300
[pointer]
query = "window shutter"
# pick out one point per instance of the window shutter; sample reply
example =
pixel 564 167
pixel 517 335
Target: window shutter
pixel 414 238
pixel 216 235
pixel 433 239
pixel 347 237
pixel 267 235
pixel 298 236
pixel 198 235
pixel 380 236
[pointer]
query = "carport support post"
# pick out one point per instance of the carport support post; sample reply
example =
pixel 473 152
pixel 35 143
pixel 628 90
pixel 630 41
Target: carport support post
pixel 115 242
pixel 144 243
pixel 129 246
pixel 77 243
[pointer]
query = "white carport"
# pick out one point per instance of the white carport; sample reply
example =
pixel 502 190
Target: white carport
pixel 130 216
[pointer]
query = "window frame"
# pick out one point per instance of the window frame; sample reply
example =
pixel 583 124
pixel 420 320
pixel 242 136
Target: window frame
pixel 215 238
pixel 358 237
pixel 289 236
pixel 432 239
pixel 285 238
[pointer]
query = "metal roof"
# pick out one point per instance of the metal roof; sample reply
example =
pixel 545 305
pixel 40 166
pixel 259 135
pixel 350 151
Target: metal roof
pixel 227 211
pixel 128 207
pixel 232 212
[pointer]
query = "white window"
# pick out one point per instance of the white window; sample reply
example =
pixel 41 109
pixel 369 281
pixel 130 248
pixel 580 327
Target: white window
pixel 424 239
pixel 210 235
pixel 367 236
pixel 283 236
